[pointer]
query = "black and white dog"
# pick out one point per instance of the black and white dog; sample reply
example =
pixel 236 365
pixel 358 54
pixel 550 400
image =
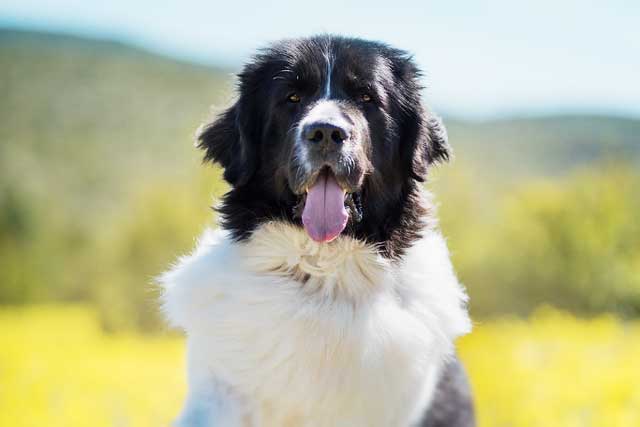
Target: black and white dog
pixel 327 298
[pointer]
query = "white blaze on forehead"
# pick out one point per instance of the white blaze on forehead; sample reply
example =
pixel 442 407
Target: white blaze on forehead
pixel 327 87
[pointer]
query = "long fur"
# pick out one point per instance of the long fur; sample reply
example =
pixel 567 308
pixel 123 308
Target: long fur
pixel 359 342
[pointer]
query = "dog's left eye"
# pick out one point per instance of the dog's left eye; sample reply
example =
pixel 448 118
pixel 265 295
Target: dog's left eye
pixel 294 97
pixel 365 97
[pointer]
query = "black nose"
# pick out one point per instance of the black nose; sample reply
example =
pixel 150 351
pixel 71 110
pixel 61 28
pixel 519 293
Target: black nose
pixel 325 133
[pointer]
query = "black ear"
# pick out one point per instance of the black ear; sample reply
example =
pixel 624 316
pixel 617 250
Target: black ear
pixel 225 143
pixel 425 141
pixel 423 137
pixel 438 149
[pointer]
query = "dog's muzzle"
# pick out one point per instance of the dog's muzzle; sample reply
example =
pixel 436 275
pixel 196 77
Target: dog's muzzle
pixel 327 176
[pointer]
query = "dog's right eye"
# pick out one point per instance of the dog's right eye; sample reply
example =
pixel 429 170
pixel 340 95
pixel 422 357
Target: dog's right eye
pixel 293 98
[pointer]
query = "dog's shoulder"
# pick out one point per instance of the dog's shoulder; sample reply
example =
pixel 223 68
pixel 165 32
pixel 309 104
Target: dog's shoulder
pixel 426 278
pixel 196 280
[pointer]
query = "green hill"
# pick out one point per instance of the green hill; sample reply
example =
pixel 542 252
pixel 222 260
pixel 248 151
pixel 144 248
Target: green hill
pixel 100 186
pixel 93 116
pixel 546 145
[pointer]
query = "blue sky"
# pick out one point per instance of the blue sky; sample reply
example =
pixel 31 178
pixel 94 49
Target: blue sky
pixel 481 58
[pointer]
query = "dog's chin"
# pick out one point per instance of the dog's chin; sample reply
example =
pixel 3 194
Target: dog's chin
pixel 326 205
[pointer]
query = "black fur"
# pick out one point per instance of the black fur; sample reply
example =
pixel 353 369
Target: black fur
pixel 452 404
pixel 252 139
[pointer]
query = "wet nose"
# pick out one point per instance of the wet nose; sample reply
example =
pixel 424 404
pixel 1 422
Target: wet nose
pixel 325 133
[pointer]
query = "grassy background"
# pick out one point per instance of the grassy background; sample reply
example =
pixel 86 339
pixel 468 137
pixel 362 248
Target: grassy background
pixel 101 188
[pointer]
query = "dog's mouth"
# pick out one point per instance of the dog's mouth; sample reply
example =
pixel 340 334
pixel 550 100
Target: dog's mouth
pixel 325 207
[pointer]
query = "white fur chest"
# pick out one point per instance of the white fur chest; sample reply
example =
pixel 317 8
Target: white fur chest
pixel 308 334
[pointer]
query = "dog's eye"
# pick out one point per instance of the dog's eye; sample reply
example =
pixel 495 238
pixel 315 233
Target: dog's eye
pixel 294 97
pixel 365 97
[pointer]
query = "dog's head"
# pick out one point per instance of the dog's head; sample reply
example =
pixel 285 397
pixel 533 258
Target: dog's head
pixel 329 133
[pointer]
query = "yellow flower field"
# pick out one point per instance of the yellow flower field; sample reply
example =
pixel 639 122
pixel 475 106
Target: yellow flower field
pixel 58 369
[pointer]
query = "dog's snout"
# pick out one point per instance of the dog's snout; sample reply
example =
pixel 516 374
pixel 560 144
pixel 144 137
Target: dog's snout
pixel 325 133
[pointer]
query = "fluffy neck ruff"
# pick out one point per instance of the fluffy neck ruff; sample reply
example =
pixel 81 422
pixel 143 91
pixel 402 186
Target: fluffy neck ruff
pixel 346 267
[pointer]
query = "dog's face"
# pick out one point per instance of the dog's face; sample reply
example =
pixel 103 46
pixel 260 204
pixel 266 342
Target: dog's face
pixel 328 133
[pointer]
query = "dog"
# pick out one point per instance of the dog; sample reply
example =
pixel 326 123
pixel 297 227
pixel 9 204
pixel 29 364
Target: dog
pixel 327 296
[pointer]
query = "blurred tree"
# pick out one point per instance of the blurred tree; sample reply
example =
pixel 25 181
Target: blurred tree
pixel 572 243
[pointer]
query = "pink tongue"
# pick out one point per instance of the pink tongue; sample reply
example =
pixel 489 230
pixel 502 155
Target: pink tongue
pixel 324 216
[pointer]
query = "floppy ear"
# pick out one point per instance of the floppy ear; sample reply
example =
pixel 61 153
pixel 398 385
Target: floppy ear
pixel 425 140
pixel 438 149
pixel 423 137
pixel 224 143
